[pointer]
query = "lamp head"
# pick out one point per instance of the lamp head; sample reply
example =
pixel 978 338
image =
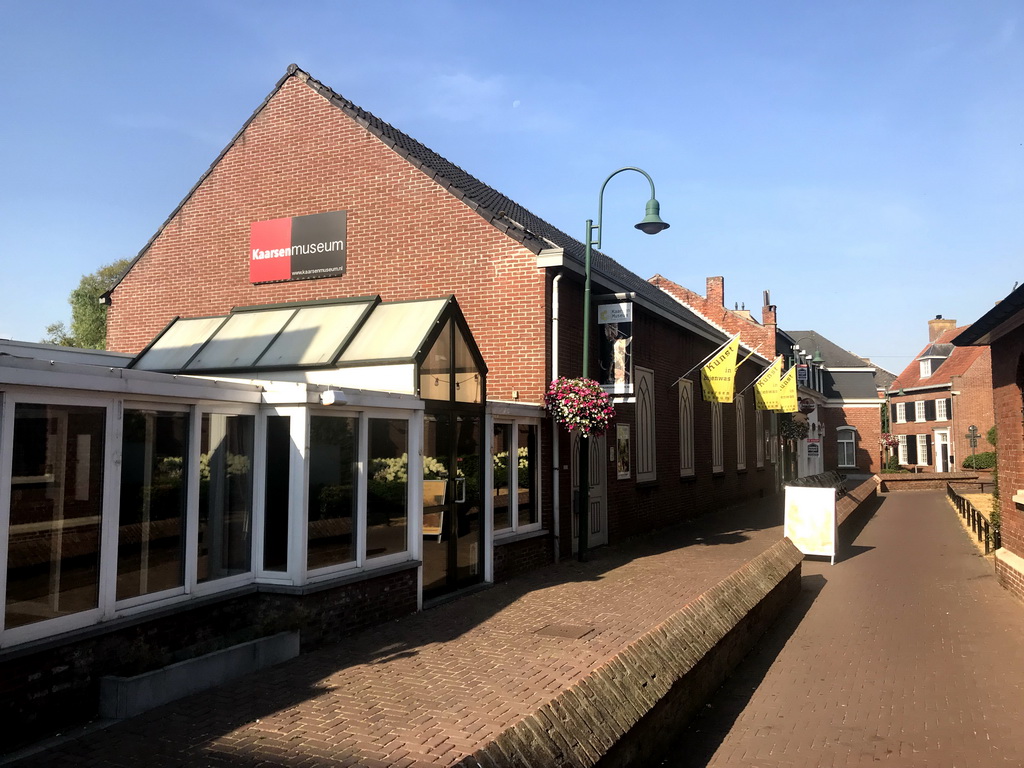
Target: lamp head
pixel 817 357
pixel 652 223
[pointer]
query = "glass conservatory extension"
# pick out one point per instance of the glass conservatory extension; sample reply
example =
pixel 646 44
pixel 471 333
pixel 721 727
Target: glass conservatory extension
pixel 292 445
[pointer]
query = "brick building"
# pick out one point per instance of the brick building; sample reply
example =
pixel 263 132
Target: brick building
pixel 1001 330
pixel 938 397
pixel 330 307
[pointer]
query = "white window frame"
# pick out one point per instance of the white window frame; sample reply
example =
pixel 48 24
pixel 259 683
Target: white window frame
pixel 919 414
pixel 850 433
pixel 361 562
pixel 717 448
pixel 759 437
pixel 646 440
pixel 903 452
pixel 922 450
pixel 926 369
pixel 686 434
pixel 188 528
pixel 901 413
pixel 107 572
pixel 741 431
pixel 515 528
pixel 192 585
pixel 941 411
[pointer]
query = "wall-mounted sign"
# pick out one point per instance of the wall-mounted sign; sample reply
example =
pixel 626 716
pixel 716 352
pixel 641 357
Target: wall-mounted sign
pixel 298 248
pixel 812 449
pixel 802 375
pixel 615 339
pixel 806 405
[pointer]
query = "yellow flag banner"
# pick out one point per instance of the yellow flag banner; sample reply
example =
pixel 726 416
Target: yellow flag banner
pixel 718 377
pixel 766 388
pixel 787 392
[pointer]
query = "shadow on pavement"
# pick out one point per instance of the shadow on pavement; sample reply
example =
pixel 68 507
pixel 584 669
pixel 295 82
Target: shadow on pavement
pixel 701 738
pixel 270 697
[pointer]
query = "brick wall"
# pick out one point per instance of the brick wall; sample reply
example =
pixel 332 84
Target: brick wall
pixel 867 421
pixel 973 405
pixel 408 237
pixel 1008 382
pixel 48 686
pixel 753 334
pixel 513 558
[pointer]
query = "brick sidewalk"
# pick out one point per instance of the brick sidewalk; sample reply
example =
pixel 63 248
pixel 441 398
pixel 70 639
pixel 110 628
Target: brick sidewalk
pixel 428 689
pixel 906 652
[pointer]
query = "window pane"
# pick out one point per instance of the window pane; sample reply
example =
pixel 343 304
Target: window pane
pixel 225 496
pixel 501 444
pixel 468 380
pixel 332 482
pixel 387 496
pixel 151 521
pixel 527 474
pixel 275 510
pixel 56 503
pixel 436 370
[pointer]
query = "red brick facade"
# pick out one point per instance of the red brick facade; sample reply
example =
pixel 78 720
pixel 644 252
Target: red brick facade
pixel 1008 394
pixel 408 237
pixel 412 235
pixel 866 420
pixel 760 336
pixel 964 380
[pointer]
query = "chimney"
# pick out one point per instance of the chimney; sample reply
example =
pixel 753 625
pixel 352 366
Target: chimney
pixel 939 326
pixel 716 291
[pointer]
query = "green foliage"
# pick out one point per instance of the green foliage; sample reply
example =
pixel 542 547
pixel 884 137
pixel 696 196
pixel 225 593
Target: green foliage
pixel 88 317
pixel 893 464
pixel 992 436
pixel 983 460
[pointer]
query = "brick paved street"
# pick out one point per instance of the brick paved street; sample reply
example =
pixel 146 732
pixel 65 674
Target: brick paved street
pixel 906 652
pixel 430 688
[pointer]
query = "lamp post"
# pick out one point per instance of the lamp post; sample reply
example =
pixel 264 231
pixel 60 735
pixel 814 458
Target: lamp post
pixel 650 225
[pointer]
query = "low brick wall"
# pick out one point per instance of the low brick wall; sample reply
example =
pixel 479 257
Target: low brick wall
pixel 926 481
pixel 658 681
pixel 1010 572
pixel 50 685
pixel 856 495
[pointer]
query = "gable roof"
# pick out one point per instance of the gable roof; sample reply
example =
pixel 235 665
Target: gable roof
pixel 959 361
pixel 502 212
pixel 1002 318
pixel 833 355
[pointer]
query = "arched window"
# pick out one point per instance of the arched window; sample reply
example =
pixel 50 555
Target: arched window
pixel 759 437
pixel 846 439
pixel 686 428
pixel 645 465
pixel 741 431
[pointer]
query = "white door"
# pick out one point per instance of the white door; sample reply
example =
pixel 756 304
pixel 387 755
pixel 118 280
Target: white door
pixel 598 531
pixel 942 451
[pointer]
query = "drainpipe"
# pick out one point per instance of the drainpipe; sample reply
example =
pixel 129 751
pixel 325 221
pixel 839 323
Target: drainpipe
pixel 555 475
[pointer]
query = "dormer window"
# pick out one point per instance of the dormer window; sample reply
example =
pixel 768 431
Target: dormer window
pixel 926 369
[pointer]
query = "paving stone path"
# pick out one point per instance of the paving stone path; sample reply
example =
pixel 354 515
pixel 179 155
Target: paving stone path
pixel 906 653
pixel 430 688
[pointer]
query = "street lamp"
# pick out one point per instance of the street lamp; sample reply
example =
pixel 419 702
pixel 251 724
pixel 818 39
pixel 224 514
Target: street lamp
pixel 650 225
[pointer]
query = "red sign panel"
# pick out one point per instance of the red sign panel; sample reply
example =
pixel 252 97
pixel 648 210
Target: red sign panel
pixel 297 248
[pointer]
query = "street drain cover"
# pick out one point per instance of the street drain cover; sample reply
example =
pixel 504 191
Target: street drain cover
pixel 568 631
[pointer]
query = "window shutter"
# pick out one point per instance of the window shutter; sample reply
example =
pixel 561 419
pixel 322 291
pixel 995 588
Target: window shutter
pixel 911 449
pixel 949 408
pixel 929 410
pixel 911 411
pixel 892 416
pixel 928 442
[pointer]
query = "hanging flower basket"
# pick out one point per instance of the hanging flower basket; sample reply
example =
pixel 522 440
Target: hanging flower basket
pixel 888 440
pixel 580 404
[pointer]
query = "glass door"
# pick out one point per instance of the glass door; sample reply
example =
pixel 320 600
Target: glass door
pixel 452 503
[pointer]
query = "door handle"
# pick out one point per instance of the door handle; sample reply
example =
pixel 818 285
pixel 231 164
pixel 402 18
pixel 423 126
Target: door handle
pixel 460 490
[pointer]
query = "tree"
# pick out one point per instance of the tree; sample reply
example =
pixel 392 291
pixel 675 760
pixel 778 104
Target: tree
pixel 88 316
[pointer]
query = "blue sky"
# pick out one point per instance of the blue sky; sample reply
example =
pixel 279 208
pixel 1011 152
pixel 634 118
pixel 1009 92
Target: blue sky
pixel 863 161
